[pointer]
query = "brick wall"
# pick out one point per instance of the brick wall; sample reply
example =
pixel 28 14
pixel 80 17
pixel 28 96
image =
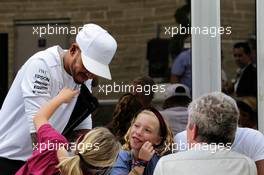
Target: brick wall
pixel 131 22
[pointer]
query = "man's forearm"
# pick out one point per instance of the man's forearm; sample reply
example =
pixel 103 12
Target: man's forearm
pixel 260 167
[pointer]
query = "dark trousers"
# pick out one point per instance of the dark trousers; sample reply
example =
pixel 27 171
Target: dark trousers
pixel 10 167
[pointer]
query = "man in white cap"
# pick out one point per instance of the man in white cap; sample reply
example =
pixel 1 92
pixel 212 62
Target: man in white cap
pixel 41 78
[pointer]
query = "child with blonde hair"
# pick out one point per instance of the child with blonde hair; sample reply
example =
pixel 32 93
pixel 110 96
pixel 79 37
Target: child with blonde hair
pixel 147 139
pixel 95 152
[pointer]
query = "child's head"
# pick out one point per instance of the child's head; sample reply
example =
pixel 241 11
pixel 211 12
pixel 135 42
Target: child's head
pixel 150 126
pixel 124 112
pixel 97 151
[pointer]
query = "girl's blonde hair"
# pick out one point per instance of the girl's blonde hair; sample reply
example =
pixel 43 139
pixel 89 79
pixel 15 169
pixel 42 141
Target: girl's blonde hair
pixel 98 148
pixel 167 140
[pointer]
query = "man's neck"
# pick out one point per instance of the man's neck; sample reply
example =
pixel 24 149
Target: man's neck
pixel 66 64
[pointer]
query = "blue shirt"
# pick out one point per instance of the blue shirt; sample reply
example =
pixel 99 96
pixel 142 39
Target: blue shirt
pixel 182 67
pixel 123 164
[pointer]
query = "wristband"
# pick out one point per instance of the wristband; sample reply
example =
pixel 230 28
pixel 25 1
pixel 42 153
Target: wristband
pixel 141 163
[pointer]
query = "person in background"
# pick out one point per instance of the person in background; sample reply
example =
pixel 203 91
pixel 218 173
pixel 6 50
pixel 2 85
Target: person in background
pixel 145 97
pixel 246 80
pixel 125 110
pixel 181 70
pixel 175 107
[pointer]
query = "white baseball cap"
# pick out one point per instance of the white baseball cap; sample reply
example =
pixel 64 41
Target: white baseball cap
pixel 177 90
pixel 97 49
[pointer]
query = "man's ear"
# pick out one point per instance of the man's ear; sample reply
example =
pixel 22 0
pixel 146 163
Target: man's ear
pixel 193 129
pixel 194 132
pixel 74 48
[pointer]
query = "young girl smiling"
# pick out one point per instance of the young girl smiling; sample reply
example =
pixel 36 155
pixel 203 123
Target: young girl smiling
pixel 147 139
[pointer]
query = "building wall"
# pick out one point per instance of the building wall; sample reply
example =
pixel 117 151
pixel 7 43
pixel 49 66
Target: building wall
pixel 131 22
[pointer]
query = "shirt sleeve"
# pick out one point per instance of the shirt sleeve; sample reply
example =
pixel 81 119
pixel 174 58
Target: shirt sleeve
pixel 257 146
pixel 35 88
pixel 252 167
pixel 178 67
pixel 47 134
pixel 121 166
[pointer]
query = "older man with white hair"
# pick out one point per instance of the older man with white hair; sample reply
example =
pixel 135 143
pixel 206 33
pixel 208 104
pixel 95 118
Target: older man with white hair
pixel 211 128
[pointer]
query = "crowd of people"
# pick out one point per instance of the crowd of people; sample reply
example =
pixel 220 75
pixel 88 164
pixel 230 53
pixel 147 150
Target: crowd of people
pixel 207 135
